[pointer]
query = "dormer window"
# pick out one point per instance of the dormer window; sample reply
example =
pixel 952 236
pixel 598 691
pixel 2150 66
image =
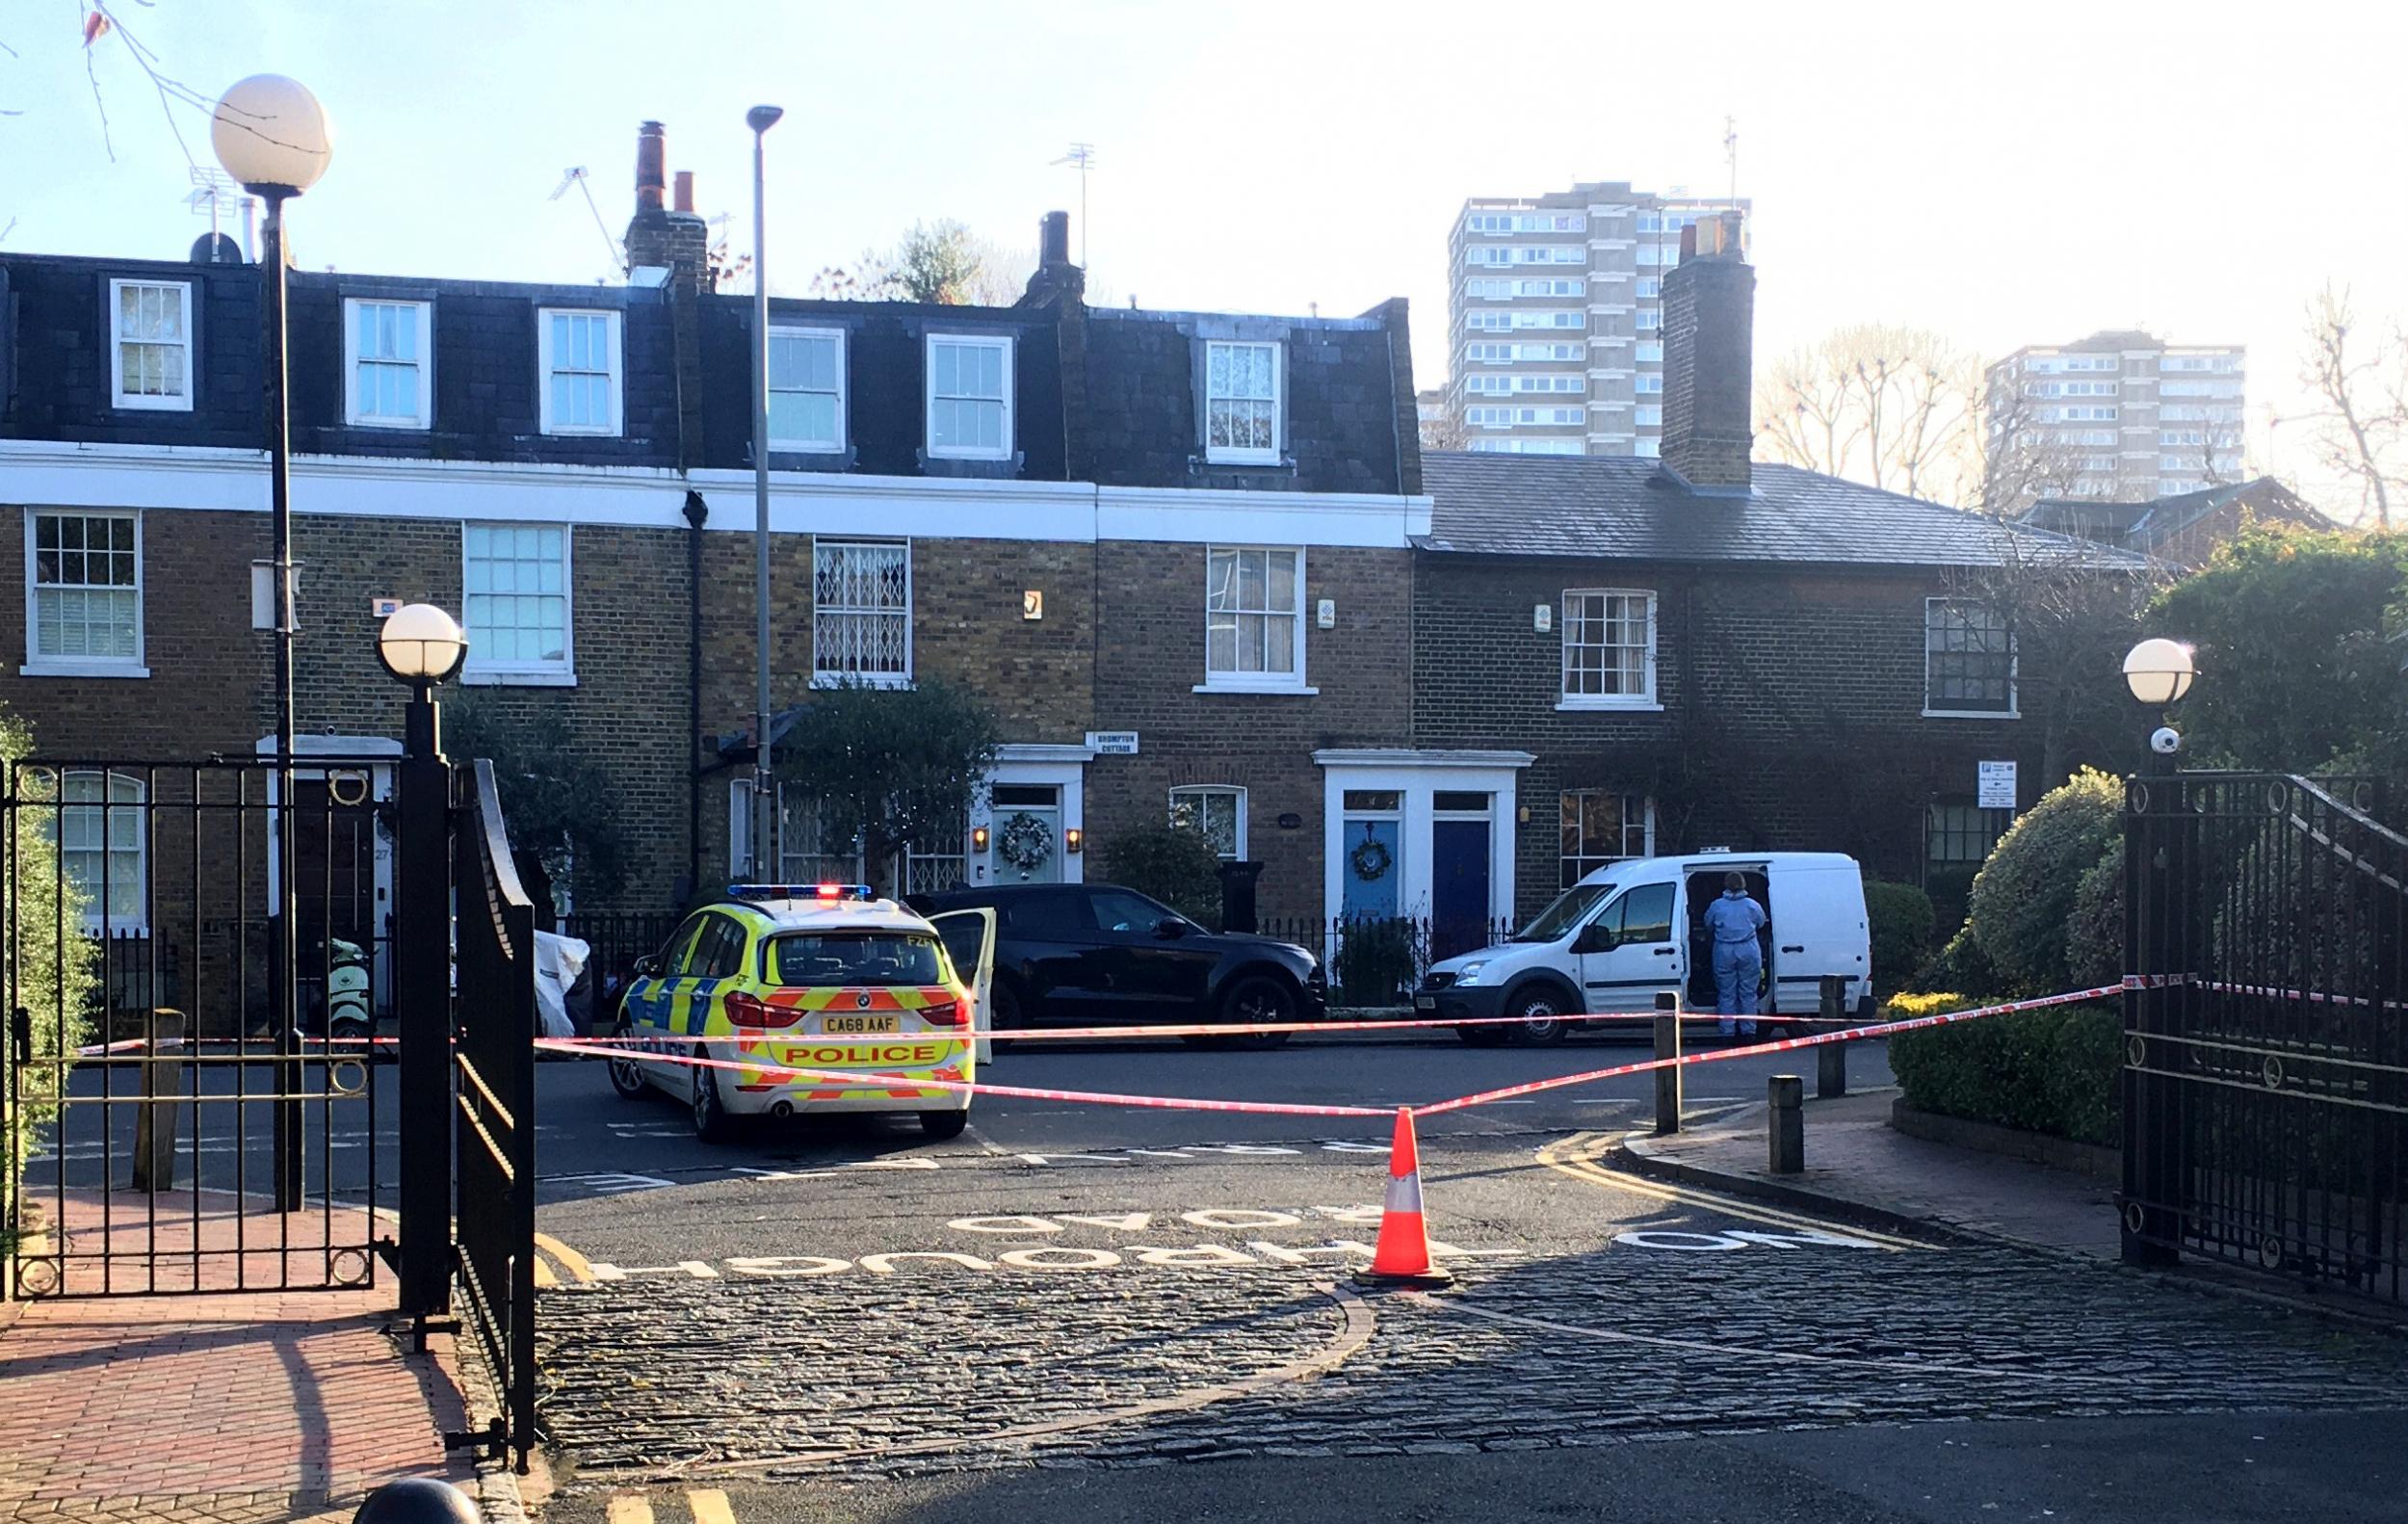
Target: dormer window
pixel 969 397
pixel 390 362
pixel 1242 412
pixel 150 358
pixel 579 371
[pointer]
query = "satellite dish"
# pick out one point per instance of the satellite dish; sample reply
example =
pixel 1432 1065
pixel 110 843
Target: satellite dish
pixel 215 249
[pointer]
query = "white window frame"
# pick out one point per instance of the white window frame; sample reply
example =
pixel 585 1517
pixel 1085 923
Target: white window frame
pixel 1647 833
pixel 1226 454
pixel 560 674
pixel 353 412
pixel 118 396
pixel 38 665
pixel 613 326
pixel 95 917
pixel 830 679
pixel 1242 682
pixel 2014 674
pixel 779 330
pixel 1568 702
pixel 1228 791
pixel 1004 342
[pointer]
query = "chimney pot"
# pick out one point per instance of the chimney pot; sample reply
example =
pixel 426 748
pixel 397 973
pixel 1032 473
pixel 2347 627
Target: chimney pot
pixel 1688 243
pixel 651 166
pixel 1053 239
pixel 685 190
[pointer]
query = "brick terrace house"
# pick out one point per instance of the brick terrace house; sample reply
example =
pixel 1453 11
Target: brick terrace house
pixel 2182 530
pixel 1194 527
pixel 1702 651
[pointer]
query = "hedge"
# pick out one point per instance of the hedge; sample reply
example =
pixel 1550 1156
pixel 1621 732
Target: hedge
pixel 2023 898
pixel 2054 1071
pixel 1177 867
pixel 56 974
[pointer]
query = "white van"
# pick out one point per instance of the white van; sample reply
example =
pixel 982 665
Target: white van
pixel 1635 929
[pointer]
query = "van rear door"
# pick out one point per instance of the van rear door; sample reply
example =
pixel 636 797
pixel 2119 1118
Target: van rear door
pixel 1819 928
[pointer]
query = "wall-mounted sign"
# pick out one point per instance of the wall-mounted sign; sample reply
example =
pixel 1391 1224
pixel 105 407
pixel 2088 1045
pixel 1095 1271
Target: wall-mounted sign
pixel 1542 616
pixel 1292 820
pixel 1114 743
pixel 384 608
pixel 1033 604
pixel 1996 783
pixel 1326 613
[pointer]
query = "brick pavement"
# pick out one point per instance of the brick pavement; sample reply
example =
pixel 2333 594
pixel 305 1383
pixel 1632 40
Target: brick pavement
pixel 1855 1161
pixel 251 1407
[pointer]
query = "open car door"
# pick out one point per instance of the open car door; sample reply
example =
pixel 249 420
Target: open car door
pixel 969 938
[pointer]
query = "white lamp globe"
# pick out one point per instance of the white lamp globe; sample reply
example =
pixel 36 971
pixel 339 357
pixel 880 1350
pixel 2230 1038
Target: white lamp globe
pixel 2159 671
pixel 270 133
pixel 421 643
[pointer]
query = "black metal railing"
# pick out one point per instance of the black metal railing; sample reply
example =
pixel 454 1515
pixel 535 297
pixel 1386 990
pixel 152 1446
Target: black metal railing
pixel 161 1134
pixel 2267 1058
pixel 494 1094
pixel 1377 961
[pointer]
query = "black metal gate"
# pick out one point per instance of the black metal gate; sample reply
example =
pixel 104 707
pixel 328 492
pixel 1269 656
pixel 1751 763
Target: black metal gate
pixel 2266 1083
pixel 495 1097
pixel 171 1132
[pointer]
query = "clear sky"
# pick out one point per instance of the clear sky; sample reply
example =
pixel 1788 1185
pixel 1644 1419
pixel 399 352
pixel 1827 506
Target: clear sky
pixel 2004 173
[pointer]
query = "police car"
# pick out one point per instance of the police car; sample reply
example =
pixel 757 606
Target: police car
pixel 823 977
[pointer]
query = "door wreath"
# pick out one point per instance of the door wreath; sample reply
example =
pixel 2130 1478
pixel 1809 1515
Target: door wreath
pixel 1025 842
pixel 1371 860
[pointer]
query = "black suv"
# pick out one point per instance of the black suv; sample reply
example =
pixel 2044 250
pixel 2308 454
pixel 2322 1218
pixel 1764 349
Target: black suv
pixel 1088 953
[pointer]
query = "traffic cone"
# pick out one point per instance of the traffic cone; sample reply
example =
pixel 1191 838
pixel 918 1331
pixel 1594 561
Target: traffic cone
pixel 1401 1260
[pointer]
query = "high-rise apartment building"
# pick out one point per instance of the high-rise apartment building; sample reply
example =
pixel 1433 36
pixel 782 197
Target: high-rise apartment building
pixel 1555 317
pixel 2121 417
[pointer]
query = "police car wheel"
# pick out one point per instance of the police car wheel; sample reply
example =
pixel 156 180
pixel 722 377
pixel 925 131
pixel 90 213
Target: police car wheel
pixel 711 1121
pixel 1540 1020
pixel 625 1077
pixel 941 1125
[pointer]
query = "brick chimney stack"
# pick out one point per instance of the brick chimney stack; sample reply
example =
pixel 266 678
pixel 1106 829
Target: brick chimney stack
pixel 1709 357
pixel 1056 279
pixel 658 238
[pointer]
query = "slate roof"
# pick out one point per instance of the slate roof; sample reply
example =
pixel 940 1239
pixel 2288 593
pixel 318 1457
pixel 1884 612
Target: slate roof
pixel 1529 505
pixel 2145 522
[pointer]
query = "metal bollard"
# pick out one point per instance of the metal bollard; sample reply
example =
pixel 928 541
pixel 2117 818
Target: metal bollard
pixel 1668 1078
pixel 158 1117
pixel 1785 1123
pixel 417 1499
pixel 1831 1059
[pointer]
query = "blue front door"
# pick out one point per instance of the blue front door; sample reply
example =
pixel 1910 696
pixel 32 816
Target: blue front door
pixel 1458 889
pixel 1369 873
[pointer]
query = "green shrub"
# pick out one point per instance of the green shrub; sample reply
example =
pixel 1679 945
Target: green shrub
pixel 2094 934
pixel 1177 867
pixel 2053 1071
pixel 1377 959
pixel 55 975
pixel 1961 966
pixel 1901 920
pixel 2023 899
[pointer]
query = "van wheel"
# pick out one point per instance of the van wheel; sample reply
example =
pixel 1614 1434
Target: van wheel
pixel 711 1121
pixel 1481 1037
pixel 626 1077
pixel 938 1126
pixel 1538 1017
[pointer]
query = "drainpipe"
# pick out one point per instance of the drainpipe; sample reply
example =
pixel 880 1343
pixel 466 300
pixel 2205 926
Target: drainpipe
pixel 696 510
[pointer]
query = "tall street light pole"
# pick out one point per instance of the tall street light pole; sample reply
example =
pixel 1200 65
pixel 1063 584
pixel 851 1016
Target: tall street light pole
pixel 274 137
pixel 761 119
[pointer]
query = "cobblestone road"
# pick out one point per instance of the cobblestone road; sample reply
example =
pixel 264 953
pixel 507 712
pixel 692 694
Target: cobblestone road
pixel 652 1378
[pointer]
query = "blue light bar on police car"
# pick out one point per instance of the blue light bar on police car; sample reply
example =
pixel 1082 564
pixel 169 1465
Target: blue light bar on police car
pixel 801 891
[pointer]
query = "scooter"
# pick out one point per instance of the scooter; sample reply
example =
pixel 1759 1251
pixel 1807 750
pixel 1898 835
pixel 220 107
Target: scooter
pixel 349 1020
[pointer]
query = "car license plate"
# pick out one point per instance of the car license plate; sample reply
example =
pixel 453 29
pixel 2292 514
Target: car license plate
pixel 845 1025
pixel 1424 1002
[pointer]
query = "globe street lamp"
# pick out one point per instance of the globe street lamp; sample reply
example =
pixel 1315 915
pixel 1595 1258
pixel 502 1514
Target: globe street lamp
pixel 274 137
pixel 422 645
pixel 761 119
pixel 2158 672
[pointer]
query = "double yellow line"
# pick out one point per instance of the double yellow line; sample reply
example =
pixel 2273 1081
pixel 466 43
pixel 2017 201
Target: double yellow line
pixel 709 1506
pixel 551 1251
pixel 1577 1156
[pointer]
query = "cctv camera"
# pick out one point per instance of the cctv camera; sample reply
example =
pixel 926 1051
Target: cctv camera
pixel 2165 741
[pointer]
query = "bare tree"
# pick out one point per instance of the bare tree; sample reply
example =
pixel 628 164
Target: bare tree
pixel 1444 428
pixel 1893 407
pixel 2361 385
pixel 2024 457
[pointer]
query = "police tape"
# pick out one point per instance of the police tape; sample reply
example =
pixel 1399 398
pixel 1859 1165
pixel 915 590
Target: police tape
pixel 866 1079
pixel 1201 1029
pixel 1880 1029
pixel 260 1050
